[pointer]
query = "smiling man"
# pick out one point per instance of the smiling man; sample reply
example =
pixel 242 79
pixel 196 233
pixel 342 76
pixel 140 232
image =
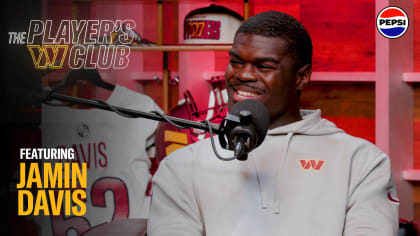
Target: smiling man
pixel 270 66
pixel 307 178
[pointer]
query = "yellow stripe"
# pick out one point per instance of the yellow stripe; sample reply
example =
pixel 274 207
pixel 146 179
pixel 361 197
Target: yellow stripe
pixel 176 137
pixel 173 147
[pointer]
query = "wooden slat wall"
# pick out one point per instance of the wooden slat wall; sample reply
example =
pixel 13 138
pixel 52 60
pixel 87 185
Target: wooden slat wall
pixel 350 105
pixel 343 32
pixel 154 90
pixel 416 188
pixel 153 61
pixel 417 126
pixel 170 35
pixel 416 24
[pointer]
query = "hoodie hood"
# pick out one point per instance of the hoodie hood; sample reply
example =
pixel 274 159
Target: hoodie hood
pixel 311 124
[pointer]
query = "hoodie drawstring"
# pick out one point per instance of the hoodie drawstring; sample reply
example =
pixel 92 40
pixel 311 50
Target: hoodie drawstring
pixel 285 149
pixel 262 193
pixel 263 196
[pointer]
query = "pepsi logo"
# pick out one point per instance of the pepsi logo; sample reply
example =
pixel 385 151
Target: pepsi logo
pixel 392 22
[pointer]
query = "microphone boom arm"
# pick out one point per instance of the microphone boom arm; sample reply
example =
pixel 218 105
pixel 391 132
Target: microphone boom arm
pixel 239 132
pixel 48 95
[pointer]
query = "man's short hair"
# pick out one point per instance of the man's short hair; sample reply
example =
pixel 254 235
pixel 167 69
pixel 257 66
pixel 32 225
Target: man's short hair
pixel 286 27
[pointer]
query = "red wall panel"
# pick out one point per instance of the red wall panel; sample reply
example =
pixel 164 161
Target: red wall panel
pixel 343 32
pixel 416 24
pixel 416 126
pixel 350 105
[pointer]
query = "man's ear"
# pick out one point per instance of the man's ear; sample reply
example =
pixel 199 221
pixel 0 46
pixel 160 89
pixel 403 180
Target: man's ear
pixel 303 76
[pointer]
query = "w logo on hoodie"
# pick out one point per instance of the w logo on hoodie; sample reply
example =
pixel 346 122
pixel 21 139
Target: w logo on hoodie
pixel 314 164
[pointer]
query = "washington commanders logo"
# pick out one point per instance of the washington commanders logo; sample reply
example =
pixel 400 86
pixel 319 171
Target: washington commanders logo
pixel 312 164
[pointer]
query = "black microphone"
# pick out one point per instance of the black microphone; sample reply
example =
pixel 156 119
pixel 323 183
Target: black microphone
pixel 244 128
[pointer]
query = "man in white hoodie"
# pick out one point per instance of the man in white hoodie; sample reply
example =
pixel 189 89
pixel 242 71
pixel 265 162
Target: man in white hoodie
pixel 307 178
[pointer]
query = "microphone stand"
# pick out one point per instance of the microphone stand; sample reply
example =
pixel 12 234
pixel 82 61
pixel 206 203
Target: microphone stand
pixel 48 95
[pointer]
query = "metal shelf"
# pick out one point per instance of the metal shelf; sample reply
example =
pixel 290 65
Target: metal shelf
pixel 411 77
pixel 411 175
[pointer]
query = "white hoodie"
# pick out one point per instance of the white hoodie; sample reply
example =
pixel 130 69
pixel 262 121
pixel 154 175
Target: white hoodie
pixel 306 178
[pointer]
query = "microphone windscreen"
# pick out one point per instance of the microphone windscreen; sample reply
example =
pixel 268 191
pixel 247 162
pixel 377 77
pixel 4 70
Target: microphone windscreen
pixel 259 114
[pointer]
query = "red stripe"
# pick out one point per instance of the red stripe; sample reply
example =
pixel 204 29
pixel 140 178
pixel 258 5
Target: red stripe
pixel 391 13
pixel 392 199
